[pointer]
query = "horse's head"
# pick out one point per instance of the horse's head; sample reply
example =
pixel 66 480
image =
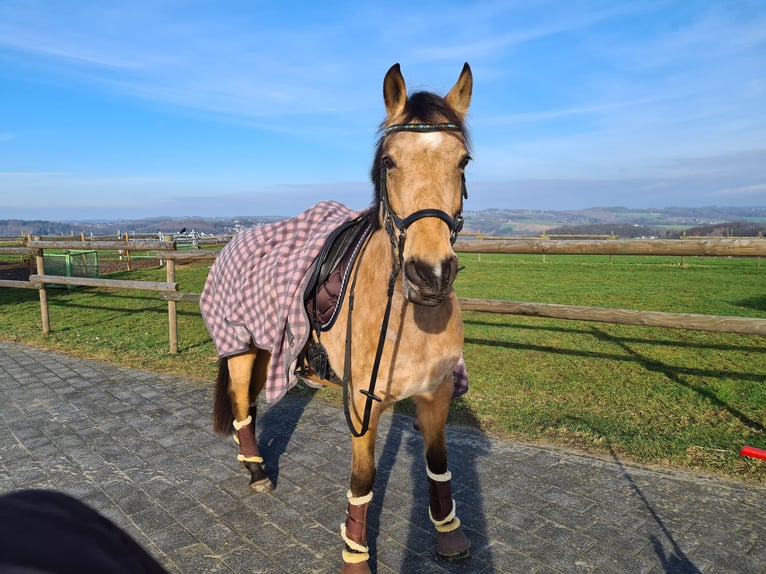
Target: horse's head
pixel 419 180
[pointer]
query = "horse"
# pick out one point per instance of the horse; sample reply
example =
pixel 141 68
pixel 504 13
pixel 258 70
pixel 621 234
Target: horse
pixel 400 334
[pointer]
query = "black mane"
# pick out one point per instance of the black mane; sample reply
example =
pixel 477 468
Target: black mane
pixel 421 107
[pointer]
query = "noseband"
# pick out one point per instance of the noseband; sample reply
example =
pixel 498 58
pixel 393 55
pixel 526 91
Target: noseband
pixel 391 218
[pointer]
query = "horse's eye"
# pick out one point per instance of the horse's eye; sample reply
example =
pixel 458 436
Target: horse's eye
pixel 387 162
pixel 464 162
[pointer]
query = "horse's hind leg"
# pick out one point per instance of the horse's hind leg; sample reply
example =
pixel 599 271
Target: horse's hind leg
pixel 247 377
pixel 451 542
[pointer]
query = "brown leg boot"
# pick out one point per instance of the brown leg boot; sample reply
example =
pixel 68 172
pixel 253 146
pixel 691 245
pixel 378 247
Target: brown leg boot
pixel 451 542
pixel 249 456
pixel 356 555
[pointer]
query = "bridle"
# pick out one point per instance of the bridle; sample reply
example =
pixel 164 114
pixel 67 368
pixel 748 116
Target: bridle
pixel 394 223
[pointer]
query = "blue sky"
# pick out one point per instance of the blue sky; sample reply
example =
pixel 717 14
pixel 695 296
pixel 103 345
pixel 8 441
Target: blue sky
pixel 113 109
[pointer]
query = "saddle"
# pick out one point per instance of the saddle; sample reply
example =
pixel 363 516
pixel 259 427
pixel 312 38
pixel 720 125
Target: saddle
pixel 327 286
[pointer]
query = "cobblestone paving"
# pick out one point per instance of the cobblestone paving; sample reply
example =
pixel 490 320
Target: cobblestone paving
pixel 137 447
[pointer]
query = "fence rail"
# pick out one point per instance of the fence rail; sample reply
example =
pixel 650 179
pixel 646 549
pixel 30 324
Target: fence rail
pixel 692 321
pixel 110 283
pixel 169 290
pixel 683 247
pixel 138 245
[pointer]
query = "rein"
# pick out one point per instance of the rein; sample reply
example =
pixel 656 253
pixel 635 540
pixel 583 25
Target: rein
pixel 392 220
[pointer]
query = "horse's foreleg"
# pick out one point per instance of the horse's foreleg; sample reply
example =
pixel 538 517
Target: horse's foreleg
pixel 451 542
pixel 354 532
pixel 247 376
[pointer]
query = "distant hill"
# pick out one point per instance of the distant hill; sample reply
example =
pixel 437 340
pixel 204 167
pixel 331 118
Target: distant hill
pixel 728 229
pixel 622 230
pixel 620 221
pixel 217 226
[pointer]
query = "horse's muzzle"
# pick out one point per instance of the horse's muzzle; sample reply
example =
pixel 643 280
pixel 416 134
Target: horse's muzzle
pixel 428 284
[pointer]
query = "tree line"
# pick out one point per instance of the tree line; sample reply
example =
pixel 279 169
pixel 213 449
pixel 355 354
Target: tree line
pixel 632 231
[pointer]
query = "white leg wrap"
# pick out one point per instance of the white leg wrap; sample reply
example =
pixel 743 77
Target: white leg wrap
pixel 241 424
pixel 445 522
pixel 359 500
pixel 243 458
pixel 438 477
pixel 358 553
pixel 355 546
pixel 451 521
pixel 355 557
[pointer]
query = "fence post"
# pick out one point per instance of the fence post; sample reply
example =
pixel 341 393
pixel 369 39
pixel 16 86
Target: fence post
pixel 172 307
pixel 43 293
pixel 127 251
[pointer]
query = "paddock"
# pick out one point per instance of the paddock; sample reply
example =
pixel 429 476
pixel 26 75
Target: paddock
pixel 137 446
pixel 169 290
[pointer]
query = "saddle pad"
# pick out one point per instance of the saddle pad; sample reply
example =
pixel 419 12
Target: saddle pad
pixel 329 280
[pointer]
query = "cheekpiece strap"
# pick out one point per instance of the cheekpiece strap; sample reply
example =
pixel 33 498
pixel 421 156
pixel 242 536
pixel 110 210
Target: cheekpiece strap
pixel 440 127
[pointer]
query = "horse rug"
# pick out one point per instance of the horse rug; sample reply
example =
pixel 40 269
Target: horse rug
pixel 255 291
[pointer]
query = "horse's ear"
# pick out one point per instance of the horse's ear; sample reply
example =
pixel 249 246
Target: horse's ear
pixel 459 97
pixel 394 91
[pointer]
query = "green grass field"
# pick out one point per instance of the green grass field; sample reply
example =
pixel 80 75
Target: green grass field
pixel 670 397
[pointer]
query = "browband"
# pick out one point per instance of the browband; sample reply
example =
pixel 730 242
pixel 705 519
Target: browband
pixel 441 127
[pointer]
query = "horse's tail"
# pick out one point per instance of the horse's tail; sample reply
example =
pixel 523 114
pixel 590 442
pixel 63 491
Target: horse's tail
pixel 223 417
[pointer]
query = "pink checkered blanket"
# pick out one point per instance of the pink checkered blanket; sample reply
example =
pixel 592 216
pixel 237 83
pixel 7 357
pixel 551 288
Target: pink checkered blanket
pixel 254 293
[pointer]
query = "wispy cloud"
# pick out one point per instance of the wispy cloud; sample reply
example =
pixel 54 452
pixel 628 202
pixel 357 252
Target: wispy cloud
pixel 261 66
pixel 592 109
pixel 758 189
pixel 51 184
pixel 717 32
pixel 495 38
pixel 73 33
pixel 655 91
pixel 252 67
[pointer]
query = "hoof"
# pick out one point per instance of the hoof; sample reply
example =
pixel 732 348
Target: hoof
pixel 453 546
pixel 264 485
pixel 259 480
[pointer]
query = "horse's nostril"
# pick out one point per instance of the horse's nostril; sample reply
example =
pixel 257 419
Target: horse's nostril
pixel 418 272
pixel 450 268
pixel 432 277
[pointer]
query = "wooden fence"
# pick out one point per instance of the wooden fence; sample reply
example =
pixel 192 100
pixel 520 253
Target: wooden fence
pixel 739 247
pixel 162 250
pixel 734 247
pixel 169 290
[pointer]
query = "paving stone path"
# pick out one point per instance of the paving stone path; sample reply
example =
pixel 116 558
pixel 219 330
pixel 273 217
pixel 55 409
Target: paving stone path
pixel 137 447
